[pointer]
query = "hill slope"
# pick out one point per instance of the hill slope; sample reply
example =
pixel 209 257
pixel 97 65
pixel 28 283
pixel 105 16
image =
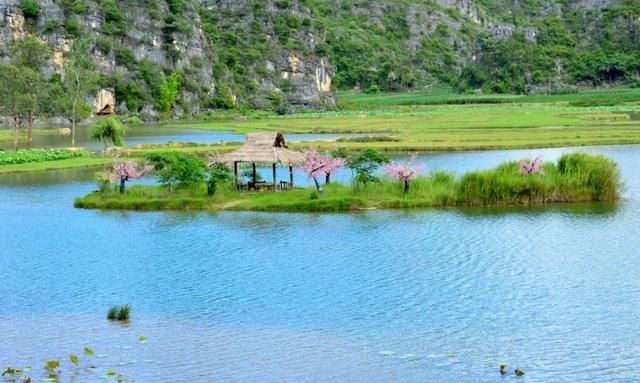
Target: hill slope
pixel 288 54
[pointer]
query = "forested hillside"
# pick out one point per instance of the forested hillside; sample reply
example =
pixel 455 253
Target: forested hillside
pixel 175 57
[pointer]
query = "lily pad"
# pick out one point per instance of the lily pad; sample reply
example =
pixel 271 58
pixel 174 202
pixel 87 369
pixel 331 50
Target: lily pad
pixel 74 359
pixel 88 351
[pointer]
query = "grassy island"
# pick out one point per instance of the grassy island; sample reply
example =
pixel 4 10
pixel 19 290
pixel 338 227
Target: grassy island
pixel 576 177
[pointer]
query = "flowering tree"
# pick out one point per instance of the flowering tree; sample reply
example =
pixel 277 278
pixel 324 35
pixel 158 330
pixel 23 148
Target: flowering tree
pixel 404 171
pixel 318 164
pixel 528 167
pixel 128 170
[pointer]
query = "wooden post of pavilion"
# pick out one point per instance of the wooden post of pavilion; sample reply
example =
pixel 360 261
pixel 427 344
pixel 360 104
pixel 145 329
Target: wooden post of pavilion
pixel 291 176
pixel 254 174
pixel 235 172
pixel 274 176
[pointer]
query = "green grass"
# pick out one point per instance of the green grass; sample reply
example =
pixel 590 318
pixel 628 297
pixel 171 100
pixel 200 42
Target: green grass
pixel 577 177
pixel 39 155
pixel 73 163
pixel 445 96
pixel 440 120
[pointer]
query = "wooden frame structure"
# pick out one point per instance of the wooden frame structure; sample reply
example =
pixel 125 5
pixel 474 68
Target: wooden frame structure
pixel 263 148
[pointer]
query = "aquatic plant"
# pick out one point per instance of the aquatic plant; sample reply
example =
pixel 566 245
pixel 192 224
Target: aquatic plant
pixel 404 171
pixel 118 313
pixel 128 170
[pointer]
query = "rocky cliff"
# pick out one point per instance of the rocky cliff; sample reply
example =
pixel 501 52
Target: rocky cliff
pixel 290 54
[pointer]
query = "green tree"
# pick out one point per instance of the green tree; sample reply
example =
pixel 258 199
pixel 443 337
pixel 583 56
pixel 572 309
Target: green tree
pixel 177 168
pixel 30 55
pixel 365 164
pixel 109 130
pixel 15 99
pixel 80 80
pixel 169 92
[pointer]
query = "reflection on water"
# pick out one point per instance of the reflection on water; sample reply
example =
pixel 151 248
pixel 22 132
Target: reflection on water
pixel 387 296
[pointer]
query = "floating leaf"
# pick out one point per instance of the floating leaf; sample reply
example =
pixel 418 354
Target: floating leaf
pixel 88 351
pixel 142 338
pixel 120 378
pixel 74 359
pixel 387 353
pixel 451 355
pixel 52 364
pixel 111 373
pixel 408 356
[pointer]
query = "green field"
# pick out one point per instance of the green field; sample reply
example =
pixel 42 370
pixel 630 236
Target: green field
pixel 72 163
pixel 408 121
pixel 429 120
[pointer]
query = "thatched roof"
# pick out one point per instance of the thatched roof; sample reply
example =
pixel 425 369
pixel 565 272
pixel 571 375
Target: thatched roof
pixel 267 147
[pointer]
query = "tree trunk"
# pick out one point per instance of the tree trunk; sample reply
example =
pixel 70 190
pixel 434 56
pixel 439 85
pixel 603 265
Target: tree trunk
pixel 74 108
pixel 406 186
pixel 122 181
pixel 318 186
pixel 29 135
pixel 17 132
pixel 327 179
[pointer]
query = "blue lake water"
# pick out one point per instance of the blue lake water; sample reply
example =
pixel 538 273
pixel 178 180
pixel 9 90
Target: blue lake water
pixel 380 296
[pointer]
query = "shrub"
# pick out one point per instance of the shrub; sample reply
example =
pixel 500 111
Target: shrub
pixel 177 168
pixel 38 155
pixel 30 8
pixel 218 174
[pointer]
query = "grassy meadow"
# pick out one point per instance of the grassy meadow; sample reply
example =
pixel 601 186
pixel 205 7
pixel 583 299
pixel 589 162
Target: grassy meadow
pixel 438 120
pixel 577 177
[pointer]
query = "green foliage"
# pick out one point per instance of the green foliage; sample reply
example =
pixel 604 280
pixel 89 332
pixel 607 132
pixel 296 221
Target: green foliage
pixel 169 90
pixel 218 174
pixel 567 181
pixel 115 21
pixel 74 359
pixel 119 313
pixel 39 155
pixel 173 167
pixel 365 164
pixel 29 53
pixel 109 130
pixel 30 8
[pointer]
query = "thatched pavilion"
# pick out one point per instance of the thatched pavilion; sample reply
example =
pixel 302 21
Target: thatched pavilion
pixel 264 148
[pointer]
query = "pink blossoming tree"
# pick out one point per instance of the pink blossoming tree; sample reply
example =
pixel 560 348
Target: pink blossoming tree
pixel 317 164
pixel 128 170
pixel 528 167
pixel 404 171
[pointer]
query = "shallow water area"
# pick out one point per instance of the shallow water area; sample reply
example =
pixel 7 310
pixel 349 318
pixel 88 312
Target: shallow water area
pixel 387 296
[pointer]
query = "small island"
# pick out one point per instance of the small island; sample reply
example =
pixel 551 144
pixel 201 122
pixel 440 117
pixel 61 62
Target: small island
pixel 187 183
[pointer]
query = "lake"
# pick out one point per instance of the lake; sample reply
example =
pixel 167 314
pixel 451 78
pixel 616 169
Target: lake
pixel 380 296
pixel 150 134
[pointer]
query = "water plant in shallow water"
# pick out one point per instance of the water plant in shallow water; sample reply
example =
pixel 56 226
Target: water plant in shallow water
pixel 404 171
pixel 119 313
pixel 128 170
